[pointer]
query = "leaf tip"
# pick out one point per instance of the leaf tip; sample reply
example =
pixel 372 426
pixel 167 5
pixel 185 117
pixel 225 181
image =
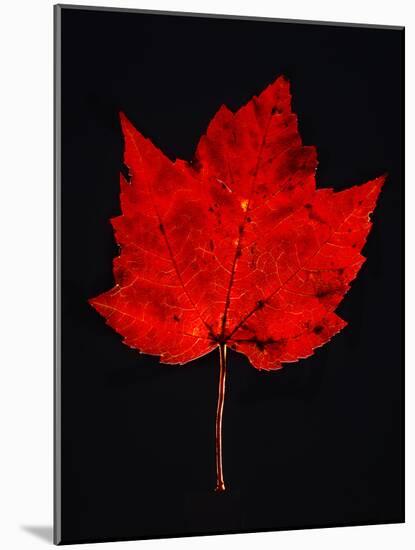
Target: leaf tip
pixel 92 303
pixel 125 122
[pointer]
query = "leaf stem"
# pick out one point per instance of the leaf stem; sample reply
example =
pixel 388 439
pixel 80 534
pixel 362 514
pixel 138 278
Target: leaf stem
pixel 220 483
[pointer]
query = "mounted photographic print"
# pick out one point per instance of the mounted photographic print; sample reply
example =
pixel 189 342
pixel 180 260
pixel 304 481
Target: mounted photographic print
pixel 229 274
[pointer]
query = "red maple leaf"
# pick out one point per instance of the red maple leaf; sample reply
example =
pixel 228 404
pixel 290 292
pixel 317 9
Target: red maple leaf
pixel 236 248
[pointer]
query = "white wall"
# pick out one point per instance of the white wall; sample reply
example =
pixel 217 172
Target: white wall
pixel 26 271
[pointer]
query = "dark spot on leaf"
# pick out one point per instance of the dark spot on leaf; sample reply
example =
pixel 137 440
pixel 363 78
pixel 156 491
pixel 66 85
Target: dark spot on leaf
pixel 322 293
pixel 161 227
pixel 318 329
pixel 261 344
pixel 196 165
pixel 176 318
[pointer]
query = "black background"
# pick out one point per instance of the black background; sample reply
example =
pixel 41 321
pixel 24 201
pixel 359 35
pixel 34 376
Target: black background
pixel 318 443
